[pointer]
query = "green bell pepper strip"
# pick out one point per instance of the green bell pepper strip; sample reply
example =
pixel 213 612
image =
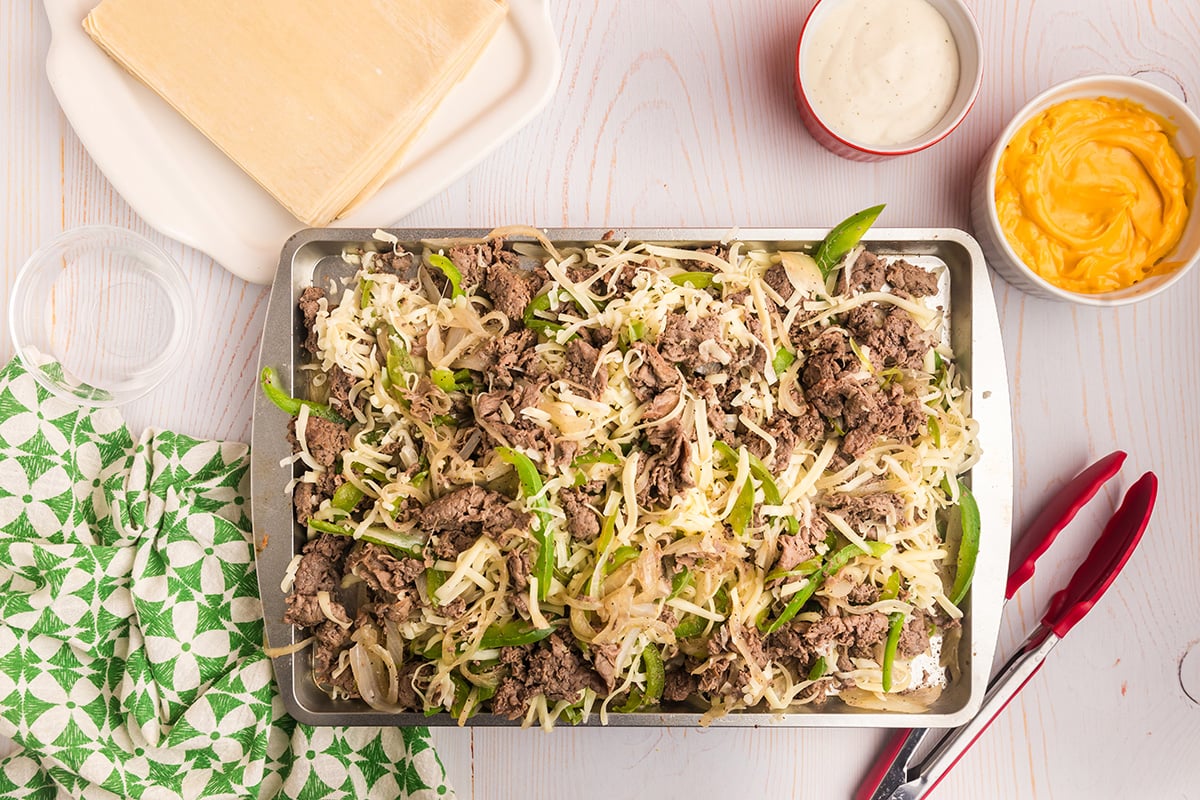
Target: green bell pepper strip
pixel 843 238
pixel 935 431
pixel 434 578
pixel 697 280
pixel 531 484
pixel 450 271
pixel 743 509
pixel 536 323
pixel 512 634
pixel 891 589
pixel 819 668
pixel 652 664
pixel 409 545
pixel 621 556
pixel 895 626
pixel 832 567
pixel 443 379
pixel 680 583
pixel 801 570
pixel 596 457
pixel 291 405
pixel 346 497
pixel 398 362
pixel 968 547
pixel 462 695
pixel 364 293
pixel 759 470
pixel 784 358
pixel 690 626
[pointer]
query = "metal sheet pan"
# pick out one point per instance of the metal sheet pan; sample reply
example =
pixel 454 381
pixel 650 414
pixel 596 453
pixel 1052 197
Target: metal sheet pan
pixel 975 335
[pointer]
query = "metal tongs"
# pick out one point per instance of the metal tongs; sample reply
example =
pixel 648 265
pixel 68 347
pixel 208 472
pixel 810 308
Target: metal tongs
pixel 895 777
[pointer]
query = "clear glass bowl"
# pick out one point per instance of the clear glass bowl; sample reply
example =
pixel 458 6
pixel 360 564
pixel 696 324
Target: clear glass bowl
pixel 100 315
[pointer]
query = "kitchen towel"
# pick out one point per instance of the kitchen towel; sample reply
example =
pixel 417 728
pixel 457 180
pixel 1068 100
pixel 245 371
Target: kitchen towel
pixel 131 661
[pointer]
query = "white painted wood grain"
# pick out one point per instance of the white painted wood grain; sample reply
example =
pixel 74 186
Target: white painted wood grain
pixel 680 113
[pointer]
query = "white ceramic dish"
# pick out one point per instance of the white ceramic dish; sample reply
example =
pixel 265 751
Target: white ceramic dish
pixel 986 223
pixel 183 186
pixel 970 59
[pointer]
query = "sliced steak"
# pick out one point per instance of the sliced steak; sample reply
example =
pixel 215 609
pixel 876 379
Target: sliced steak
pixel 325 439
pixel 381 570
pixel 909 280
pixel 310 306
pixel 552 668
pixel 667 472
pixel 584 370
pixel 511 289
pixel 892 335
pixel 654 375
pixel 867 275
pixel 695 346
pixel 914 636
pixel 793 551
pixel 339 386
pixel 679 685
pixel 583 520
pixel 472 505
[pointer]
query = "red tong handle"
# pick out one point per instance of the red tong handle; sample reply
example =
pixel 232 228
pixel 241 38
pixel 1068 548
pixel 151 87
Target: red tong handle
pixel 882 766
pixel 1108 555
pixel 1061 509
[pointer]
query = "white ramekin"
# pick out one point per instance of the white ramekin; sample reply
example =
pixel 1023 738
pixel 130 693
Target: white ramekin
pixel 970 77
pixel 986 222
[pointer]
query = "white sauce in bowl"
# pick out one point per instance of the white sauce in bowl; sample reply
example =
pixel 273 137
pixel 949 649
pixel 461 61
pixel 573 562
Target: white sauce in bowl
pixel 881 72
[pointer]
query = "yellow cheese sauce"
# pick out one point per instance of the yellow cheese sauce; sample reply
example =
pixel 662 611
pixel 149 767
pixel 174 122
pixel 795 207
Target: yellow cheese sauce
pixel 1091 194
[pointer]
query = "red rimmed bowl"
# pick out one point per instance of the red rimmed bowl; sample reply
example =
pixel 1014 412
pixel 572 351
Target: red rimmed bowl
pixel 970 76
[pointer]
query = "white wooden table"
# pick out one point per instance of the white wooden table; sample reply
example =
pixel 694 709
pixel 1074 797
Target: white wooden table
pixel 680 113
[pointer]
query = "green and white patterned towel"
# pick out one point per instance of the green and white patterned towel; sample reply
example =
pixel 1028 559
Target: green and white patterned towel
pixel 131 660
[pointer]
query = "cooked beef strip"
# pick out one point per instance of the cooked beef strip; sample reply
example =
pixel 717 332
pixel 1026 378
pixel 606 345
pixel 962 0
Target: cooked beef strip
pixel 909 280
pixel 861 511
pixel 914 636
pixel 714 412
pixel 520 563
pixel 425 400
pixel 551 667
pixel 654 375
pixel 472 260
pixel 320 570
pixel 509 354
pixel 472 506
pixel 864 594
pixel 305 501
pixel 407 697
pixel 789 642
pixel 782 427
pixel 331 640
pixel 667 471
pixel 867 275
pixel 829 369
pixel 399 263
pixel 583 521
pixel 893 336
pixel 325 439
pixel 857 632
pixel 695 265
pixel 604 661
pixel 661 405
pixel 339 386
pixel 511 289
pixel 681 339
pixel 679 685
pixel 793 551
pixel 522 432
pixel 583 368
pixel 381 570
pixel 873 412
pixel 310 306
pixel 776 277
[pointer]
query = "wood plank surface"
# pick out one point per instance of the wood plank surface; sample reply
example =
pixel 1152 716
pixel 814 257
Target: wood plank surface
pixel 680 113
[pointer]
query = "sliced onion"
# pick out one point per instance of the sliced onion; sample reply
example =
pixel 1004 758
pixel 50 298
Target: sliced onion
pixel 288 649
pixel 803 273
pixel 326 606
pixel 367 678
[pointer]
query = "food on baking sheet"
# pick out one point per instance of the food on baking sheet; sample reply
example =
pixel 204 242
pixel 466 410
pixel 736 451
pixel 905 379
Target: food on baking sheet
pixel 1092 195
pixel 555 482
pixel 314 110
